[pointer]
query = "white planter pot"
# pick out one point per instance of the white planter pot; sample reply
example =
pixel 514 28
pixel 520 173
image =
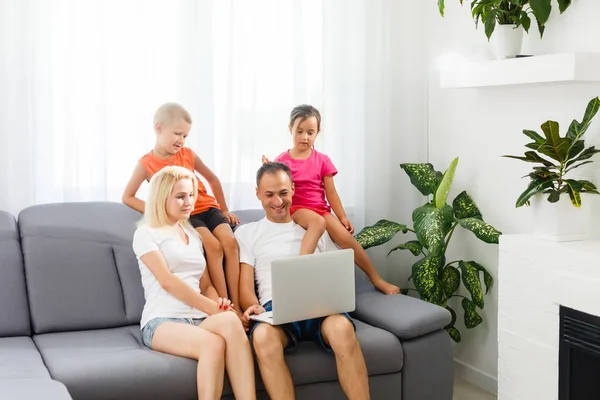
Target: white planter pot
pixel 562 221
pixel 508 41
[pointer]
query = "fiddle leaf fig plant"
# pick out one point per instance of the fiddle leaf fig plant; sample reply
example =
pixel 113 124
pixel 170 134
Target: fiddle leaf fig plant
pixel 435 279
pixel 557 156
pixel 510 12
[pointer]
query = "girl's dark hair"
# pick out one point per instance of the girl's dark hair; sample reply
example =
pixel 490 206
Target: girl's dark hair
pixel 305 111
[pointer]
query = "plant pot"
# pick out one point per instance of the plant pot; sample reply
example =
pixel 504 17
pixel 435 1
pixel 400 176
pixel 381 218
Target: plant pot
pixel 508 41
pixel 562 221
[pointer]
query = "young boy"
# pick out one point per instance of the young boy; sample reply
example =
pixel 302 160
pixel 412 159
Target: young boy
pixel 210 216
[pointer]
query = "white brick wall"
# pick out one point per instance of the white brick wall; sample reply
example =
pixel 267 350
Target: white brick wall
pixel 534 278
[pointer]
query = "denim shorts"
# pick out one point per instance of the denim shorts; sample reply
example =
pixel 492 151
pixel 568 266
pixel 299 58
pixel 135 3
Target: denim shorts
pixel 149 329
pixel 301 331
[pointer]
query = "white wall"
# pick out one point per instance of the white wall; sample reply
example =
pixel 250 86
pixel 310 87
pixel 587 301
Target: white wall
pixel 480 125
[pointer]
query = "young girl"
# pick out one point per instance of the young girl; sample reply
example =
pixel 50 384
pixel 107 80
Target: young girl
pixel 210 216
pixel 312 174
pixel 183 315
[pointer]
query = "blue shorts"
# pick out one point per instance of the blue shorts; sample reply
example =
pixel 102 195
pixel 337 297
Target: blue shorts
pixel 301 331
pixel 149 329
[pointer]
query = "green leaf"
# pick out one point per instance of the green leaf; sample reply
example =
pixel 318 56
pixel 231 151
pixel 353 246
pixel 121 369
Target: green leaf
pixel 525 21
pixel 470 278
pixel 423 177
pixel 481 229
pixel 541 28
pixel 554 196
pixel 487 277
pixel 382 232
pixel 453 316
pixel 450 280
pixel 575 149
pixel 574 190
pixel 441 7
pixel 586 154
pixel 577 129
pixel 441 194
pixel 533 135
pixel 454 334
pixel 465 207
pixel 404 291
pixel 414 246
pixel 490 23
pixel 541 9
pixel 555 147
pixel 563 5
pixel 588 187
pixel 431 225
pixel 425 277
pixel 535 186
pixel 578 165
pixel 533 157
pixel 472 319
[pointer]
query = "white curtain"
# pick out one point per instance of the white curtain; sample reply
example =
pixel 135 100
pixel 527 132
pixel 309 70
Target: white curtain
pixel 81 79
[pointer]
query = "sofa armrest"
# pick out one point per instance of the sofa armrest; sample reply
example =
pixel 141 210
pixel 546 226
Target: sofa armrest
pixel 404 316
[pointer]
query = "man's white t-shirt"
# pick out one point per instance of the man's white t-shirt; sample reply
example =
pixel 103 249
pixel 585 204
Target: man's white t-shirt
pixel 264 241
pixel 186 261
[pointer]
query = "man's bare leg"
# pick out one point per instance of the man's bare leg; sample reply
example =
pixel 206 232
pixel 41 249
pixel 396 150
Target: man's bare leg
pixel 269 342
pixel 337 332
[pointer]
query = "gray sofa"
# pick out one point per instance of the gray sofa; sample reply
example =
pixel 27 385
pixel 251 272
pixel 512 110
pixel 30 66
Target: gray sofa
pixel 70 306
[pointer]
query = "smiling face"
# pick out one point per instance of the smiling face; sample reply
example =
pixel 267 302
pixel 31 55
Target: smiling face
pixel 180 202
pixel 171 137
pixel 275 191
pixel 304 133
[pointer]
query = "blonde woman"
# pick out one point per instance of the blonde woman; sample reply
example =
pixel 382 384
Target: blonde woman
pixel 183 314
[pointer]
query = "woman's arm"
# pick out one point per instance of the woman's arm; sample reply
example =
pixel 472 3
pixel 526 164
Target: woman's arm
pixel 156 263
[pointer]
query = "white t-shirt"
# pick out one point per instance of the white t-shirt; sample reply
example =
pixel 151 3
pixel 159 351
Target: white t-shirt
pixel 264 241
pixel 186 261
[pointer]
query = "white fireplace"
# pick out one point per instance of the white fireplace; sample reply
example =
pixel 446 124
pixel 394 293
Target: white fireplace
pixel 536 277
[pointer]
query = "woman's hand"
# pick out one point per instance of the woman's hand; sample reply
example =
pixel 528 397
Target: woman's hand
pixel 223 305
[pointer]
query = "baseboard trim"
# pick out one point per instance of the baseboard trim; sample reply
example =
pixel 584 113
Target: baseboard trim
pixel 476 376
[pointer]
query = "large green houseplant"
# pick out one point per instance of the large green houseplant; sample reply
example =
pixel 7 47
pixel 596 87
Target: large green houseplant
pixel 435 279
pixel 511 12
pixel 556 156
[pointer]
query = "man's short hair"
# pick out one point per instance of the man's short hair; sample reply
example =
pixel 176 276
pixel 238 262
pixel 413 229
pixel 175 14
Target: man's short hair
pixel 272 167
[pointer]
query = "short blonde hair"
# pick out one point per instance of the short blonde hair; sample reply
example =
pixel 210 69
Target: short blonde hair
pixel 169 112
pixel 161 186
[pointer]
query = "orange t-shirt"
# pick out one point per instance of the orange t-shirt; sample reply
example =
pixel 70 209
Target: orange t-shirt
pixel 183 158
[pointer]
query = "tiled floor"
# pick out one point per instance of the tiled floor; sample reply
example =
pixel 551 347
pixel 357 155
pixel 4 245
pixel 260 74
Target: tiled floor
pixel 464 390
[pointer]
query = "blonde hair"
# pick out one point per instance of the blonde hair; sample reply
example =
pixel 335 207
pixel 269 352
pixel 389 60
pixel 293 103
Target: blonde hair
pixel 161 186
pixel 169 112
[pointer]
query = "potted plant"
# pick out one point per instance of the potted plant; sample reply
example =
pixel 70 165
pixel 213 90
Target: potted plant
pixel 435 279
pixel 510 16
pixel 556 157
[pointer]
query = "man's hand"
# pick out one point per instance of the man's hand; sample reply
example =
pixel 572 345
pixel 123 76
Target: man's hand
pixel 253 310
pixel 347 224
pixel 231 218
pixel 265 160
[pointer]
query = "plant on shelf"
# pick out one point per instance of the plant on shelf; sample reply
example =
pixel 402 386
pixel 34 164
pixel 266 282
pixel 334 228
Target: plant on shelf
pixel 436 280
pixel 511 12
pixel 562 155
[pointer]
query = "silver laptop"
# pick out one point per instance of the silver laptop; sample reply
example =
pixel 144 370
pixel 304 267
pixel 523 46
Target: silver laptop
pixel 311 286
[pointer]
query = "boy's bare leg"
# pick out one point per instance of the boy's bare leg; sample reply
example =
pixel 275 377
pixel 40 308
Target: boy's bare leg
pixel 231 251
pixel 214 260
pixel 340 235
pixel 315 228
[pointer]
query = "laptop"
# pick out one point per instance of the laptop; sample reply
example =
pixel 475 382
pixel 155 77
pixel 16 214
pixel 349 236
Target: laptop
pixel 311 286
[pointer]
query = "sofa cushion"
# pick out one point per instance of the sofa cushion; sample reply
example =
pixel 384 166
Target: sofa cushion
pixel 46 389
pixel 19 358
pixel 78 264
pixel 14 310
pixel 114 364
pixel 382 351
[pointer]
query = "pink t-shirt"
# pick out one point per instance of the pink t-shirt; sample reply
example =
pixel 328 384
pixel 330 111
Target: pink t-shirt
pixel 307 176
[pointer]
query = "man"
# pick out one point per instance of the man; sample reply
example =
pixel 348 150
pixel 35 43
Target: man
pixel 277 236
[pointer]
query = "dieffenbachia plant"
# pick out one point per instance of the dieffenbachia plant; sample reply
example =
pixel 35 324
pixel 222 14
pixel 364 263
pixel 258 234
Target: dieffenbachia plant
pixel 436 280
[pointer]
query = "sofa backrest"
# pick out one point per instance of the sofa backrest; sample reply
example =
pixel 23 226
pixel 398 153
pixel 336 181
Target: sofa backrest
pixel 80 268
pixel 14 314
